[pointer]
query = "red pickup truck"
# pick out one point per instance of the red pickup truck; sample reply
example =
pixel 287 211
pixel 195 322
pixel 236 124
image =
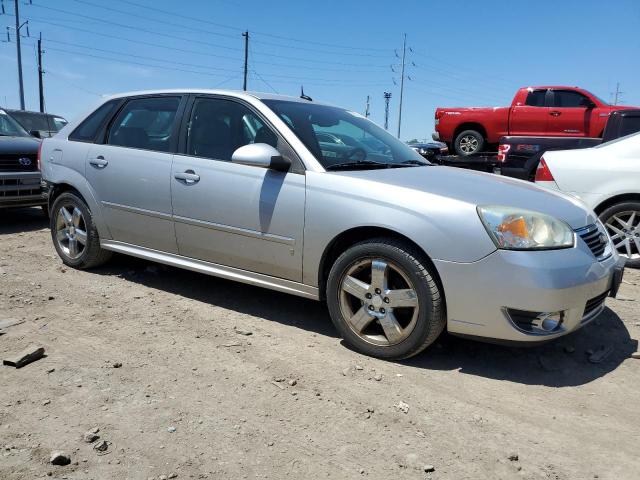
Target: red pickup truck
pixel 535 111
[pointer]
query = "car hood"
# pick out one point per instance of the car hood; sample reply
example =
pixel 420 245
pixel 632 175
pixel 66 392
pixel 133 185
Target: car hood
pixel 478 188
pixel 18 145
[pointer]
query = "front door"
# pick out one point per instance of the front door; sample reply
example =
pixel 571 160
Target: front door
pixel 235 215
pixel 570 114
pixel 130 172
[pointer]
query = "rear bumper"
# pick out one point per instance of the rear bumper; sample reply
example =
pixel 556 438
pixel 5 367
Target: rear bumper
pixel 480 295
pixel 22 189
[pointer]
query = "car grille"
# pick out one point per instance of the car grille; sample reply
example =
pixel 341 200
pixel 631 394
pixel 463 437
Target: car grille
pixel 594 304
pixel 595 239
pixel 11 163
pixel 16 188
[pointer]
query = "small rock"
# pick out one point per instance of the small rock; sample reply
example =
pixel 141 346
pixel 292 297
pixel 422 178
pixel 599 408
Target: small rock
pixel 358 367
pixel 293 383
pixel 377 377
pixel 635 355
pixel 270 444
pixel 60 458
pixel 173 475
pixel 513 457
pixel 117 364
pixel 362 471
pixel 90 437
pixel 46 402
pixel 402 407
pixel 162 477
pixel 101 446
pixel 429 468
pixel 239 331
pixel 600 355
pixel 345 372
pixel 171 429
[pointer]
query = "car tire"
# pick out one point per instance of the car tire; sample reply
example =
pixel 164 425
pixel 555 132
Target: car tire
pixel 468 142
pixel 614 219
pixel 74 234
pixel 384 300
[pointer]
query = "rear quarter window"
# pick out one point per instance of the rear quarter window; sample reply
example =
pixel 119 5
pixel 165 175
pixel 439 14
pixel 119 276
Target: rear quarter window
pixel 89 128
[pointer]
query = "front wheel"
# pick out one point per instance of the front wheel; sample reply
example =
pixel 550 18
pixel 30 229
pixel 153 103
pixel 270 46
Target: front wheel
pixel 74 234
pixel 384 300
pixel 622 221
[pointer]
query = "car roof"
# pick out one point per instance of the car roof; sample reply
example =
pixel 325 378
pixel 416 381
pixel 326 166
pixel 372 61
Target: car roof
pixel 232 93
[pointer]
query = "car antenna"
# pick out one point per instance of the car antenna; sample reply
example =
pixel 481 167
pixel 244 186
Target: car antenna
pixel 303 96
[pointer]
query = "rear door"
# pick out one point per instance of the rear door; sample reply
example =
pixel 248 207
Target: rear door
pixel 130 171
pixel 235 215
pixel 569 115
pixel 532 118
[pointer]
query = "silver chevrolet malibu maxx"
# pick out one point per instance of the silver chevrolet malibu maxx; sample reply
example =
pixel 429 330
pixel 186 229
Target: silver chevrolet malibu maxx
pixel 309 199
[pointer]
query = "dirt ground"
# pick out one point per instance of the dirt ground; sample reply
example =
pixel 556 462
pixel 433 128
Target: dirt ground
pixel 196 397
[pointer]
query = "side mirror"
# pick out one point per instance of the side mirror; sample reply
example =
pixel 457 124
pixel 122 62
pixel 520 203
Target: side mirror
pixel 261 155
pixel 35 133
pixel 589 105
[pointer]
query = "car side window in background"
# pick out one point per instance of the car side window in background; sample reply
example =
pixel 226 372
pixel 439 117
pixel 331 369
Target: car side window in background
pixel 218 127
pixel 88 129
pixel 145 123
pixel 569 99
pixel 536 98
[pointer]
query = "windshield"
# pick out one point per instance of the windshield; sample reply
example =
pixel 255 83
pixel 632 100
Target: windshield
pixel 342 139
pixel 39 121
pixel 9 127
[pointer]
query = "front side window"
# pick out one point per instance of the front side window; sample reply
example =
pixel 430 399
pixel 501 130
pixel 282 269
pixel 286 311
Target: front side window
pixel 218 127
pixel 569 99
pixel 9 127
pixel 145 123
pixel 342 139
pixel 536 98
pixel 88 129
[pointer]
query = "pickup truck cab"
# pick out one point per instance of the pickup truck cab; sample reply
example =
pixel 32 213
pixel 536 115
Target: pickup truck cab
pixel 535 111
pixel 518 156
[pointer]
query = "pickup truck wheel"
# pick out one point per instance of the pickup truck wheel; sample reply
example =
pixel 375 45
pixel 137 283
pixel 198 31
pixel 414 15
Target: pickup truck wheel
pixel 384 300
pixel 468 142
pixel 622 221
pixel 74 234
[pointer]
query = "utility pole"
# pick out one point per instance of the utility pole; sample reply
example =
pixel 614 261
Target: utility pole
pixel 404 52
pixel 366 112
pixel 617 94
pixel 40 73
pixel 18 26
pixel 387 97
pixel 246 58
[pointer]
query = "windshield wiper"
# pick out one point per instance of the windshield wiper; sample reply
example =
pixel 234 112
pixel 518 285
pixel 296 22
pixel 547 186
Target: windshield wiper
pixel 357 164
pixel 417 163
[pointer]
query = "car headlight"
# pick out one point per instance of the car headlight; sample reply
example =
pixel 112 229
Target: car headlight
pixel 517 229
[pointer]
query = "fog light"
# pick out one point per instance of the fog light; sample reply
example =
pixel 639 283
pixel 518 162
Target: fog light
pixel 536 323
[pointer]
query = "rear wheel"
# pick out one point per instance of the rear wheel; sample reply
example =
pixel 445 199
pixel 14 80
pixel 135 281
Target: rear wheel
pixel 622 221
pixel 468 143
pixel 384 300
pixel 74 234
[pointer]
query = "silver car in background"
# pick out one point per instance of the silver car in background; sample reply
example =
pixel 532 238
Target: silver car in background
pixel 247 187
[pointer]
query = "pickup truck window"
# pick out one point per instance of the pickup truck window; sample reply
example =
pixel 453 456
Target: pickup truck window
pixel 536 98
pixel 569 99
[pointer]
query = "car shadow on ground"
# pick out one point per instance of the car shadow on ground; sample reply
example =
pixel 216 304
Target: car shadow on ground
pixel 19 220
pixel 561 363
pixel 576 359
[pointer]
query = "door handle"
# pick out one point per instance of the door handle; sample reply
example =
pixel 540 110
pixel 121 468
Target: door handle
pixel 189 177
pixel 555 113
pixel 99 162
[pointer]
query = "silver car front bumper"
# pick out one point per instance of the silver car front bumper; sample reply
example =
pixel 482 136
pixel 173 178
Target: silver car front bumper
pixel 481 294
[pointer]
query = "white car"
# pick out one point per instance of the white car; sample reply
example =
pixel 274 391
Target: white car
pixel 607 179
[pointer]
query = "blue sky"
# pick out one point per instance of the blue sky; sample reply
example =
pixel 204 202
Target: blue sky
pixel 463 52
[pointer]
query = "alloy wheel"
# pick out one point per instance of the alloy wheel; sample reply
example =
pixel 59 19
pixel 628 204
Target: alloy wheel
pixel 71 231
pixel 624 229
pixel 379 301
pixel 469 144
